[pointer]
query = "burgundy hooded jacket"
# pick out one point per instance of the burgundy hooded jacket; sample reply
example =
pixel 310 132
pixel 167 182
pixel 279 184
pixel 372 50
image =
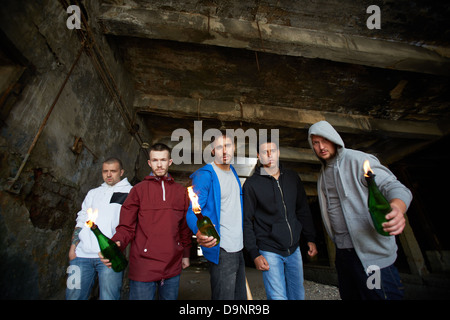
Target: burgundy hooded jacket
pixel 153 220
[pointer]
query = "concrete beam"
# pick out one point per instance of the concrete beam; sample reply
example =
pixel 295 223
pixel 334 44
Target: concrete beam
pixel 274 116
pixel 273 38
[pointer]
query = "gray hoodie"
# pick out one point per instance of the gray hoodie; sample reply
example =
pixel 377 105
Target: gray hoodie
pixel 371 247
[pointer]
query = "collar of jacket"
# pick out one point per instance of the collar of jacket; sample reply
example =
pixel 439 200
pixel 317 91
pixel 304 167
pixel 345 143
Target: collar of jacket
pixel 167 178
pixel 258 171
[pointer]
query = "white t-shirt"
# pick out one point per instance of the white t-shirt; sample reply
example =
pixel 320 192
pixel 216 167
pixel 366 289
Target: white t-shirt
pixel 231 236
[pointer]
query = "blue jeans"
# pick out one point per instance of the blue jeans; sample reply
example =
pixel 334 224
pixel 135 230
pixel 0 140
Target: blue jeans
pixel 353 279
pixel 284 279
pixel 167 289
pixel 82 273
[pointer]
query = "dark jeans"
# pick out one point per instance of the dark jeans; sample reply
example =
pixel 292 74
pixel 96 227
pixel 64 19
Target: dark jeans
pixel 228 277
pixel 355 284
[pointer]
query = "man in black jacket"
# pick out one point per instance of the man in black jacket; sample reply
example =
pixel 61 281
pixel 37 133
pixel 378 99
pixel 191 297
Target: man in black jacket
pixel 275 213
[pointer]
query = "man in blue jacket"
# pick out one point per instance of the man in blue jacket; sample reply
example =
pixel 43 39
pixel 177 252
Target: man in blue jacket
pixel 220 198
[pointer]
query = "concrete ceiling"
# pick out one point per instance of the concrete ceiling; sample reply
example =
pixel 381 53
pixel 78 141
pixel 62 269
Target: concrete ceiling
pixel 286 65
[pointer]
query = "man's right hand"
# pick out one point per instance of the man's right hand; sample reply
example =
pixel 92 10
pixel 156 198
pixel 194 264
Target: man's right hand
pixel 72 254
pixel 205 241
pixel 261 263
pixel 104 260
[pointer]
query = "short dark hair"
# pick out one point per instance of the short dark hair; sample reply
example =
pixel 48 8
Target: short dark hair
pixel 160 147
pixel 223 133
pixel 114 160
pixel 268 140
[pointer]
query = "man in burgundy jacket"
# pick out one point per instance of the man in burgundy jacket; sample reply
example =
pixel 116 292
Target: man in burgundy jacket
pixel 153 220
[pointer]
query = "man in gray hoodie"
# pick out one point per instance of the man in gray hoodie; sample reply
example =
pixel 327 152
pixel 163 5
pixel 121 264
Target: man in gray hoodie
pixel 343 193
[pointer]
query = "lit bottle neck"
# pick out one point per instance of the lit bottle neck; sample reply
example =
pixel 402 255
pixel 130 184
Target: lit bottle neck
pixel 370 178
pixel 199 215
pixel 96 229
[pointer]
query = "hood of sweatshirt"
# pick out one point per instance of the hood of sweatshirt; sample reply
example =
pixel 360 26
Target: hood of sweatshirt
pixel 326 130
pixel 122 183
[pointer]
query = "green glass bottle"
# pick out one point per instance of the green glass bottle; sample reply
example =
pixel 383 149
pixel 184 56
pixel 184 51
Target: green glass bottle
pixel 379 207
pixel 110 250
pixel 204 224
pixel 206 227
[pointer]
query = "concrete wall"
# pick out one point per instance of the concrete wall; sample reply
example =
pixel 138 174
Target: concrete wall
pixel 37 219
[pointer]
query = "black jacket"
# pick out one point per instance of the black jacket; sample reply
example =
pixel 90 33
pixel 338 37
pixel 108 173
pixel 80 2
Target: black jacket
pixel 275 213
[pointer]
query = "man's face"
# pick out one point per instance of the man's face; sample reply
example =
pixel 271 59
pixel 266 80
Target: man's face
pixel 111 173
pixel 223 150
pixel 159 162
pixel 269 154
pixel 324 148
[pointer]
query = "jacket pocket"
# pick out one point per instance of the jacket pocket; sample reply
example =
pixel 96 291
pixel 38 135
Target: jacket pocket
pixel 296 231
pixel 142 244
pixel 281 234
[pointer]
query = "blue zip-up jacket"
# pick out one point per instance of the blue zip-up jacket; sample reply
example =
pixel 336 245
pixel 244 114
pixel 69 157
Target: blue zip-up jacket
pixel 206 185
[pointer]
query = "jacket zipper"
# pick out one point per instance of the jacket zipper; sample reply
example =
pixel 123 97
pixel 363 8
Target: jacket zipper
pixel 285 214
pixel 163 190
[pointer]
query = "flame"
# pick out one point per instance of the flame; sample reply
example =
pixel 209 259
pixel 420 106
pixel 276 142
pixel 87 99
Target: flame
pixel 367 168
pixel 92 216
pixel 194 199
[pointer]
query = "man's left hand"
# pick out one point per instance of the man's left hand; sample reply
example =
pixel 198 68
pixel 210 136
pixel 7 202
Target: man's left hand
pixel 312 249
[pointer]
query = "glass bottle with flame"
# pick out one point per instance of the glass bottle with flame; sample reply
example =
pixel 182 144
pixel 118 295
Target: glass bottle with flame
pixel 379 207
pixel 204 224
pixel 109 248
